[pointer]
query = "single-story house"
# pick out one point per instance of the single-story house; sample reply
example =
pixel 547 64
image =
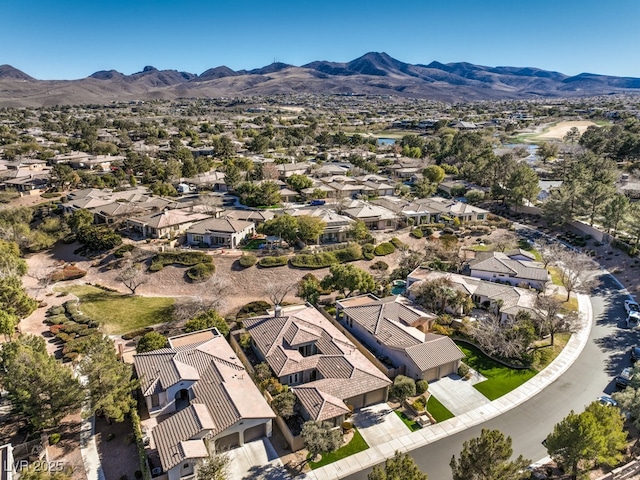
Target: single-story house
pixel 392 328
pixel 224 232
pixel 337 227
pixel 325 370
pixel 509 300
pixel 212 402
pixel 164 224
pixel 256 216
pixel 432 210
pixel 500 267
pixel 374 216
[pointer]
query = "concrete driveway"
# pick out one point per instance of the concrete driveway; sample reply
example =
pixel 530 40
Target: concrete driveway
pixel 255 460
pixel 379 424
pixel 458 395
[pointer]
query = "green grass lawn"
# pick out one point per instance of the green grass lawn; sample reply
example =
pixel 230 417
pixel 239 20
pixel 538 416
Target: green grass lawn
pixel 411 424
pixel 117 313
pixel 357 444
pixel 500 379
pixel 437 410
pixel 254 244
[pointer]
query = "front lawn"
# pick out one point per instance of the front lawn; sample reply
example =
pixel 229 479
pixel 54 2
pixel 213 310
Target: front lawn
pixel 254 244
pixel 437 410
pixel 357 444
pixel 117 313
pixel 411 424
pixel 500 379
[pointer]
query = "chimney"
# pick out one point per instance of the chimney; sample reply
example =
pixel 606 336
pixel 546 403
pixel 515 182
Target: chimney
pixel 277 311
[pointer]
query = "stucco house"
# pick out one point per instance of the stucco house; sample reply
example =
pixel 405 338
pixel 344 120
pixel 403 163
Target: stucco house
pixel 500 267
pixel 391 328
pixel 337 227
pixel 212 402
pixel 225 232
pixel 374 216
pixel 433 210
pixel 505 299
pixel 164 224
pixel 325 370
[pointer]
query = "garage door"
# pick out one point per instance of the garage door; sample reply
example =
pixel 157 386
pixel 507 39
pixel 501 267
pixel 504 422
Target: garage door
pixel 447 369
pixel 227 442
pixel 377 396
pixel 253 433
pixel 431 374
pixel 357 402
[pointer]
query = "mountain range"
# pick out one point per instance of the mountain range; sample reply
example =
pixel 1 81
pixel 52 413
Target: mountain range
pixel 371 74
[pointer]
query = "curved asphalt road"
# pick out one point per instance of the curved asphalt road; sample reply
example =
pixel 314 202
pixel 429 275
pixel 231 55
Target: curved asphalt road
pixel 604 356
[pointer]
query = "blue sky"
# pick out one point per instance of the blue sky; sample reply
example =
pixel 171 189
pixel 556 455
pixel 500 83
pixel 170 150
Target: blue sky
pixel 67 39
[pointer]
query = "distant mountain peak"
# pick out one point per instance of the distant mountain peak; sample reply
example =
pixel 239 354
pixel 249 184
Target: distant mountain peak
pixel 149 68
pixel 9 72
pixel 106 75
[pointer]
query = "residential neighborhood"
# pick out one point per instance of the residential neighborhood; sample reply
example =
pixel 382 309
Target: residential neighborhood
pixel 280 293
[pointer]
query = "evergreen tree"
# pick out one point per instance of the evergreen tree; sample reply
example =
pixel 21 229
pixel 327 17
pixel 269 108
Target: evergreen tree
pixel 399 467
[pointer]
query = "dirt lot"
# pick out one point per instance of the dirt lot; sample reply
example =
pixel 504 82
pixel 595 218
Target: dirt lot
pixel 558 131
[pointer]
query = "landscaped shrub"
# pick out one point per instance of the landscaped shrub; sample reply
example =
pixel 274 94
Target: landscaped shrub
pixel 463 370
pixel 403 387
pixel 314 260
pixel 379 265
pixel 270 261
pixel 395 241
pixel 56 319
pixel 421 386
pixel 68 272
pixel 121 251
pixel 252 309
pixel 385 248
pixel 54 438
pixel 201 271
pixel 350 253
pixel 247 260
pixel 416 233
pixel 428 231
pixel 367 251
pixel 418 406
pixel 187 259
pixel 136 333
pixel 205 320
pixel 71 306
pixel 347 426
pixel 55 310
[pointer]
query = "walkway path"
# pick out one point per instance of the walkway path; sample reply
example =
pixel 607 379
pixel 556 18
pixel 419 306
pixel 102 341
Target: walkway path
pixel 410 441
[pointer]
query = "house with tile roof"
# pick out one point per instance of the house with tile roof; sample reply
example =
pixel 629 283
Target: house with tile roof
pixel 337 227
pixel 374 216
pixel 225 232
pixel 433 210
pixel 505 299
pixel 164 224
pixel 206 398
pixel 503 268
pixel 394 328
pixel 324 369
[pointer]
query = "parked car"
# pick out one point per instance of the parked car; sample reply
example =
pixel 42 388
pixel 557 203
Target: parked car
pixel 625 377
pixel 631 306
pixel 633 319
pixel 316 203
pixel 635 354
pixel 607 401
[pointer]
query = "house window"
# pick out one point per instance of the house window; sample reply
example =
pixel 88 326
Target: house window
pixel 155 400
pixel 389 223
pixel 480 216
pixel 293 379
pixel 198 238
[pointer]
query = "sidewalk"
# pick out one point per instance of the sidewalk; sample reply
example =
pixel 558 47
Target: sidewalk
pixel 419 438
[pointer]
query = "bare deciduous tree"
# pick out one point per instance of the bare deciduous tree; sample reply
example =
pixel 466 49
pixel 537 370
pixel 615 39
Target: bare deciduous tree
pixel 215 289
pixel 278 291
pixel 549 251
pixel 576 271
pixel 209 203
pixel 132 275
pixel 551 317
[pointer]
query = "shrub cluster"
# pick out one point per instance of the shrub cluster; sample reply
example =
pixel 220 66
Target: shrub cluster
pixel 71 327
pixel 188 259
pixel 367 251
pixel 325 259
pixel 417 233
pixel 201 271
pixel 383 249
pixel 421 386
pixel 395 241
pixel 68 272
pixel 271 261
pixel 121 251
pixel 247 260
pixel 252 309
pixel 379 265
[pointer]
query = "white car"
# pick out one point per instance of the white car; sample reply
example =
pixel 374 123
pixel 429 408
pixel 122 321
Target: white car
pixel 631 306
pixel 633 319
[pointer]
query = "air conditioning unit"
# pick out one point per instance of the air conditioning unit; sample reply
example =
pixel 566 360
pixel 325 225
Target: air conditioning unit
pixel 156 471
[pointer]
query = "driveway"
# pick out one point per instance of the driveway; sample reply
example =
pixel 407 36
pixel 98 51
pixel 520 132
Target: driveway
pixel 255 460
pixel 458 395
pixel 379 424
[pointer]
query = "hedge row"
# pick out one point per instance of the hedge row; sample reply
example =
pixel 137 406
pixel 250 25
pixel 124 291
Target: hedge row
pixel 188 259
pixel 271 261
pixel 325 259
